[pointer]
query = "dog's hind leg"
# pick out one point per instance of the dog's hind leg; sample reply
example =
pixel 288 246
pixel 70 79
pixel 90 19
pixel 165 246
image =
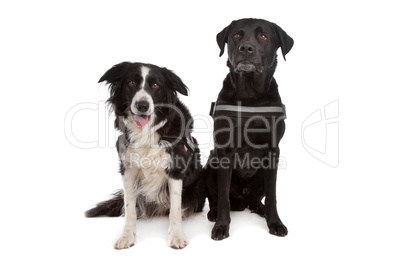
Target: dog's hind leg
pixel 213 212
pixel 257 207
pixel 237 205
pixel 256 193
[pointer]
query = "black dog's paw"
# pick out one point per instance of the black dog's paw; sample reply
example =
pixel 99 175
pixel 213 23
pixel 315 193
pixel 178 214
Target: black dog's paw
pixel 212 215
pixel 257 208
pixel 277 228
pixel 237 206
pixel 220 232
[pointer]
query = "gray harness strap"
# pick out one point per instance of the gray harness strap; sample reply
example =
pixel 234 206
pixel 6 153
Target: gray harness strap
pixel 246 111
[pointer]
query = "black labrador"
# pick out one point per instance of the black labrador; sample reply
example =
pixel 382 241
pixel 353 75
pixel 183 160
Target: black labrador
pixel 248 125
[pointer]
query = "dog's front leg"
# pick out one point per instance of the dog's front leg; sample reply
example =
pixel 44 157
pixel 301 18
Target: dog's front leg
pixel 221 227
pixel 275 225
pixel 127 237
pixel 177 238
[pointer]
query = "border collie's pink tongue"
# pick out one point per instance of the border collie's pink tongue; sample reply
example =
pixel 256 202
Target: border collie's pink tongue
pixel 141 120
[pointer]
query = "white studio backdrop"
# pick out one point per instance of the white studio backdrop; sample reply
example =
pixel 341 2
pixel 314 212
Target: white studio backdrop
pixel 339 187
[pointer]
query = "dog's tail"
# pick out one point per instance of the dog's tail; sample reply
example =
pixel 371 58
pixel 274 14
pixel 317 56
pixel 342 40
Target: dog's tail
pixel 193 200
pixel 111 208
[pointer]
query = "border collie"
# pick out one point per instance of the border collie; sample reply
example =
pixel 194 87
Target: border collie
pixel 159 159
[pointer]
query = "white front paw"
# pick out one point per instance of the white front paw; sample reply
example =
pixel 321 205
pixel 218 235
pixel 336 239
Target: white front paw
pixel 177 240
pixel 126 240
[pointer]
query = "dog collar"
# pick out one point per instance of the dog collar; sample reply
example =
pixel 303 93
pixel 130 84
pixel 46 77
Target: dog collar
pixel 246 111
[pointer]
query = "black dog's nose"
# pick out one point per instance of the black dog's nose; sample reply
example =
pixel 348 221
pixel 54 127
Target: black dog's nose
pixel 246 48
pixel 142 106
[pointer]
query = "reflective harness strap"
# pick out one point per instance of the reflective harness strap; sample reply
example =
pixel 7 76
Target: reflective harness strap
pixel 276 113
pixel 246 111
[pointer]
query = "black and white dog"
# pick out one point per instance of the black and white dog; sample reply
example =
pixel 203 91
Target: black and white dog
pixel 160 160
pixel 248 125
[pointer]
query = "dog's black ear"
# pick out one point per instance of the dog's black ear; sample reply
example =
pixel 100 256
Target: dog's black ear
pixel 114 74
pixel 285 41
pixel 174 82
pixel 222 39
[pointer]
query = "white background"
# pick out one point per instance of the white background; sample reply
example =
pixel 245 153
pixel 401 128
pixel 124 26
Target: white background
pixel 54 52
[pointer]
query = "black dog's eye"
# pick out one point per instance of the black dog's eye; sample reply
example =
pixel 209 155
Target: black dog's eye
pixel 155 86
pixel 263 36
pixel 131 83
pixel 236 36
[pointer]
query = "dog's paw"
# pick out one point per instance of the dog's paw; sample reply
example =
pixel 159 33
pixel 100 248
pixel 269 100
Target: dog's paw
pixel 237 206
pixel 177 240
pixel 257 208
pixel 212 215
pixel 125 241
pixel 277 228
pixel 220 232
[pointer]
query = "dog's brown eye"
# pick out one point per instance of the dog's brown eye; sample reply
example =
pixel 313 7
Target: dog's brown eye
pixel 155 86
pixel 131 83
pixel 263 36
pixel 236 35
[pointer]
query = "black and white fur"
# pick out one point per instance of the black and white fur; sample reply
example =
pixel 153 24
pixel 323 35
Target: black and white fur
pixel 160 174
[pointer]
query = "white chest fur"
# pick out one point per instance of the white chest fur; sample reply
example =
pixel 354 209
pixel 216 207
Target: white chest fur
pixel 146 161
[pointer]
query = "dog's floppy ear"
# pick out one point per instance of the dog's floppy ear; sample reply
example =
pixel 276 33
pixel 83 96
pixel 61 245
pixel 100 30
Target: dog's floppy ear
pixel 222 39
pixel 285 41
pixel 114 74
pixel 174 82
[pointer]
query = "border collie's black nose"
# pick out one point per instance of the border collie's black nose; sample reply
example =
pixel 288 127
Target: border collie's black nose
pixel 142 106
pixel 247 48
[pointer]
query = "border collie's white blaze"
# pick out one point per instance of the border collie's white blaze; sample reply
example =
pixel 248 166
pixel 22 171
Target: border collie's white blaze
pixel 142 96
pixel 141 118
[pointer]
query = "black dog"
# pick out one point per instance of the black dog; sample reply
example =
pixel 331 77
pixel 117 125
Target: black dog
pixel 159 159
pixel 248 125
